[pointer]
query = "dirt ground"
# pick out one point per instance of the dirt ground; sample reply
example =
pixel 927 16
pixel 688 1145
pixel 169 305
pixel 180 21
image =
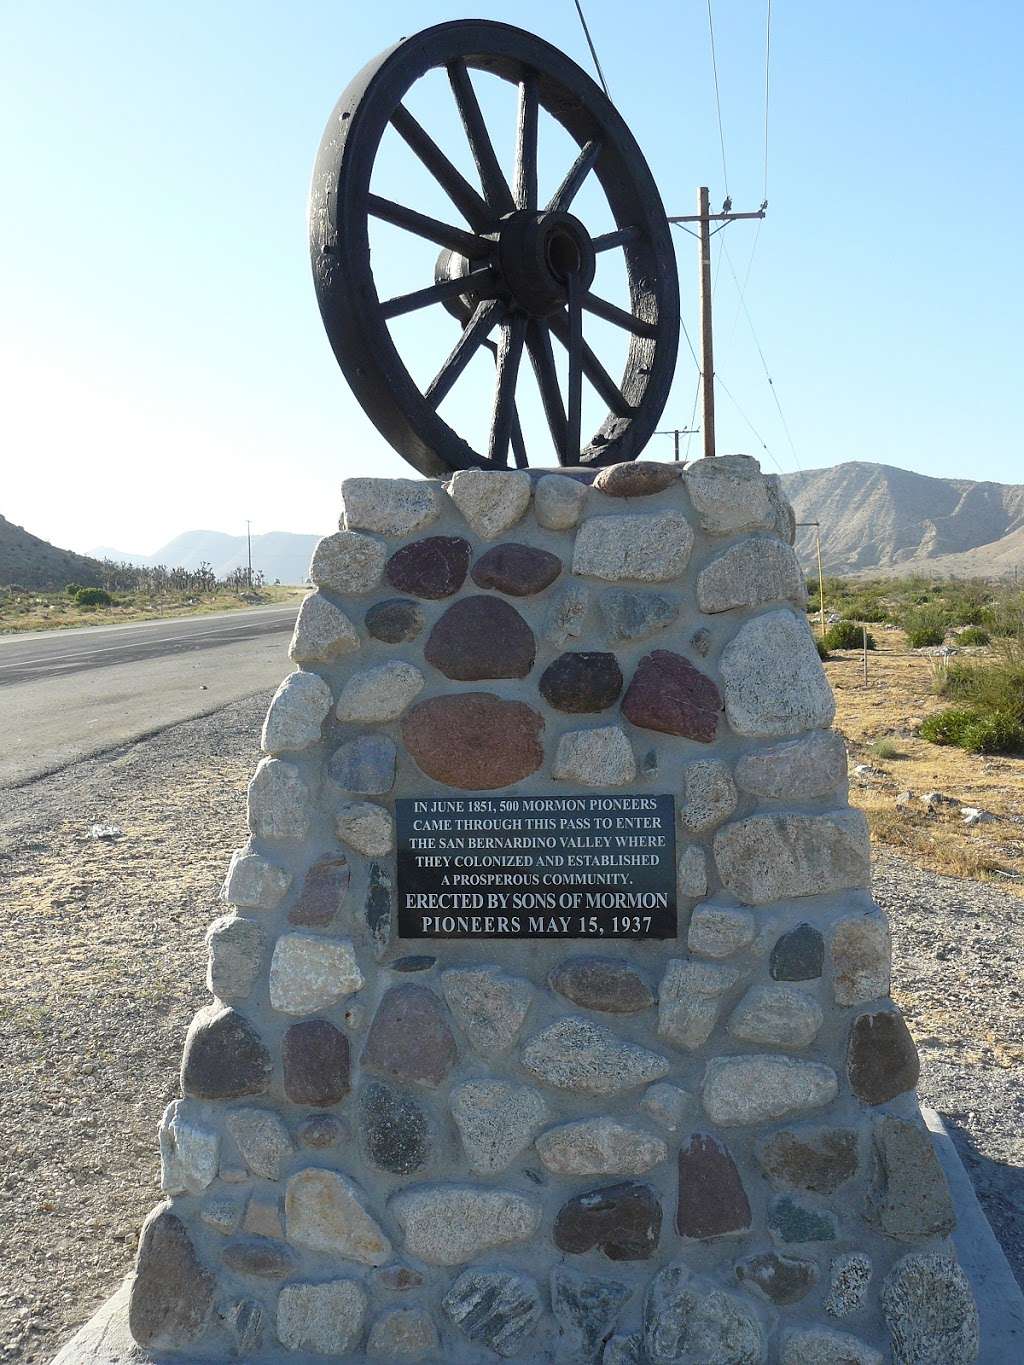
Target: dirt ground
pixel 102 944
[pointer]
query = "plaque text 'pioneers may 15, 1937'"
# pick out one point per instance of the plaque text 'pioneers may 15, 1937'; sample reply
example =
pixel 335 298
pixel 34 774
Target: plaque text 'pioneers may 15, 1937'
pixel 536 867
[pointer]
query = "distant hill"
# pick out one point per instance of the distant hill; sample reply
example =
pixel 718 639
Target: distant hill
pixel 29 562
pixel 879 520
pixel 282 555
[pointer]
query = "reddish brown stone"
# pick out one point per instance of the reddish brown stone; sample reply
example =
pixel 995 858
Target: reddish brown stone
pixel 582 682
pixel 623 1221
pixel 224 1058
pixel 323 893
pixel 409 1038
pixel 431 568
pixel 712 1200
pixel 781 1279
pixel 517 570
pixel 601 983
pixel 481 637
pixel 636 478
pixel 316 1063
pixel 668 694
pixel 882 1058
pixel 260 1258
pixel 474 740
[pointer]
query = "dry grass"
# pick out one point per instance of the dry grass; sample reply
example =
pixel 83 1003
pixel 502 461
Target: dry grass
pixel 881 717
pixel 31 610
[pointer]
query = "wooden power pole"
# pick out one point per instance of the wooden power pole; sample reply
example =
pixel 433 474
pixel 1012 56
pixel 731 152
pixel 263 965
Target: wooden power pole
pixel 704 217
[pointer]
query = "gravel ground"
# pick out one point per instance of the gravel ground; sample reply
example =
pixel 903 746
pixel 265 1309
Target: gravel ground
pixel 102 944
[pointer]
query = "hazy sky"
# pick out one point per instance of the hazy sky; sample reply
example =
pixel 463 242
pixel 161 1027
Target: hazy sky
pixel 163 366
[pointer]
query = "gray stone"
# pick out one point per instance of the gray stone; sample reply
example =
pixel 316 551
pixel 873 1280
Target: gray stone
pixel 600 1146
pixel 558 501
pixel 379 694
pixel 259 1258
pixel 720 930
pixel 223 1211
pixel 390 507
pixel 623 1350
pixel 701 640
pixel 565 615
pixel 585 1309
pixel 670 1105
pixel 263 1216
pixel 394 1129
pixel 882 1060
pixel 772 678
pixel 488 1006
pixel 849 1278
pixel 688 1320
pixel 821 1160
pixel 775 857
pixel 395 620
pixel 496 1121
pixel 797 769
pixel 651 548
pixel 325 1318
pixel 348 562
pixel 450 1224
pixel 909 1199
pixel 364 765
pixel 799 955
pixel 322 633
pixel 690 999
pixel 575 1054
pixel 636 478
pixel 791 1220
pixel 377 910
pixel 172 1294
pixel 325 1213
pixel 245 1318
pixel 366 827
pixel 398 1277
pixel 595 758
pixel 730 495
pixel 236 948
pixel 861 958
pixel 776 1016
pixel 692 873
pixel 600 983
pixel 749 573
pixel 320 1131
pixel 778 1279
pixel 764 1089
pixel 297 712
pixel 254 883
pixel 930 1312
pixel 309 973
pixel 710 795
pixel 491 502
pixel 632 615
pixel 223 1058
pixel 189 1150
pixel 278 801
pixel 496 1308
pixel 262 1141
pixel 821 1346
pixel 409 1039
pixel 402 1334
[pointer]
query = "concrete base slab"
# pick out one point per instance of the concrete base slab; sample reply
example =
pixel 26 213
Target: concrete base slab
pixel 105 1339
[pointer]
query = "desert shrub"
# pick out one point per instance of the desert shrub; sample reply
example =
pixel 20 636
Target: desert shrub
pixel 925 625
pixel 821 647
pixel 974 635
pixel 979 732
pixel 868 608
pixel 73 589
pixel 93 597
pixel 847 635
pixel 885 748
pixel 988 715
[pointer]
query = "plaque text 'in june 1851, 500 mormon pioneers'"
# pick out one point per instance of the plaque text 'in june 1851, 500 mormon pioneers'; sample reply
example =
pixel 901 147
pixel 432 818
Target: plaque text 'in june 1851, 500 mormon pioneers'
pixel 536 867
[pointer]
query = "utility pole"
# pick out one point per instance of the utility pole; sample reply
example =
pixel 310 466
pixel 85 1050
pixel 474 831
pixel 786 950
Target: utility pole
pixel 248 541
pixel 821 576
pixel 705 218
pixel 675 433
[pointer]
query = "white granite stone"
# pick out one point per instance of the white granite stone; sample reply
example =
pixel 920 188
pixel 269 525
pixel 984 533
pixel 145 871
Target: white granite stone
pixel 366 827
pixel 600 1146
pixel 389 507
pixel 575 1054
pixel 325 1213
pixel 710 795
pixel 379 694
pixel 692 873
pixel 348 563
pixel 730 495
pixel 451 1224
pixel 236 947
pixel 690 999
pixel 797 770
pixel 322 633
pixel 496 1121
pixel 720 930
pixel 764 1089
pixel 861 958
pixel 489 1006
pixel 278 801
pixel 255 883
pixel 558 501
pixel 595 758
pixel 772 857
pixel 749 573
pixel 309 973
pixel 772 678
pixel 773 1014
pixel 670 1105
pixel 491 501
pixel 647 547
pixel 297 712
pixel 189 1149
pixel 325 1318
pixel 262 1140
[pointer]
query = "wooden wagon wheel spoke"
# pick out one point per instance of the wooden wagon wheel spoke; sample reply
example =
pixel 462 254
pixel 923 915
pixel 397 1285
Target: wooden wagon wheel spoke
pixel 510 353
pixel 595 372
pixel 567 191
pixel 621 237
pixel 526 143
pixel 443 234
pixel 479 282
pixel 458 189
pixel 491 177
pixel 518 443
pixel 629 321
pixel 574 387
pixel 538 342
pixel 485 317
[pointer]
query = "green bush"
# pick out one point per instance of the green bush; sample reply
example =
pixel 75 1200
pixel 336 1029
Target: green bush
pixel 988 715
pixel 847 635
pixel 926 625
pixel 821 647
pixel 886 748
pixel 965 727
pixel 974 635
pixel 93 597
pixel 73 589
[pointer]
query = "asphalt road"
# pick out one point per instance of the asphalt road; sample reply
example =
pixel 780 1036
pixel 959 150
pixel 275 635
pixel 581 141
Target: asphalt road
pixel 65 695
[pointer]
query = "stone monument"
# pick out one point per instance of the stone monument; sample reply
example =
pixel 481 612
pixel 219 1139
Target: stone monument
pixel 551 1016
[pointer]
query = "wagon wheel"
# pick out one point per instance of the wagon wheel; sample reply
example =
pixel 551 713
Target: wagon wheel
pixel 518 269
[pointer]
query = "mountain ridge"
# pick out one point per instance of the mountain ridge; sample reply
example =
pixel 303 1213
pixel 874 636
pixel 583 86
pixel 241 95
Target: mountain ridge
pixel 283 555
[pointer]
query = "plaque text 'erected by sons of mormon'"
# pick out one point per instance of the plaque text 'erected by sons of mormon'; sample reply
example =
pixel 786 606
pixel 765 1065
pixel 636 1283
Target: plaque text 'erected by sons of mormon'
pixel 536 867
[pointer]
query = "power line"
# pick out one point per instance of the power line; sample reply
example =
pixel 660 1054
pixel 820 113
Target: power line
pixel 763 443
pixel 693 414
pixel 593 49
pixel 718 101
